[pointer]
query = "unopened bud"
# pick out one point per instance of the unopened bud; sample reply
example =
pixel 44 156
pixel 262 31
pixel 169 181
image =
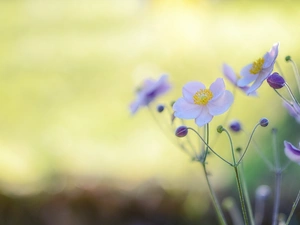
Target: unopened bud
pixel 288 58
pixel 235 126
pixel 220 129
pixel 276 81
pixel 181 131
pixel 238 149
pixel 160 108
pixel 264 122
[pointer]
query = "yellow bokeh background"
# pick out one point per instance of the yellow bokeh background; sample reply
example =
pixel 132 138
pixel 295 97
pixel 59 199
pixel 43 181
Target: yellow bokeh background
pixel 69 69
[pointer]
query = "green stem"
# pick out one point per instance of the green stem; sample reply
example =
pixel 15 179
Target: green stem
pixel 241 195
pixel 278 177
pixel 237 176
pixel 208 147
pixel 211 191
pixel 247 198
pixel 214 198
pixel 293 208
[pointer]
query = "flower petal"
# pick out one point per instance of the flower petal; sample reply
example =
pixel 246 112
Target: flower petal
pixel 162 85
pixel 204 117
pixel 217 87
pixel 221 104
pixel 185 110
pixel 271 56
pixel 134 106
pixel 292 152
pixel 259 80
pixel 247 77
pixel 229 74
pixel 190 89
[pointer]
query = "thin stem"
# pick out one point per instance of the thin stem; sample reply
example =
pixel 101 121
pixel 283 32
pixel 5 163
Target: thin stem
pixel 293 208
pixel 238 179
pixel 296 72
pixel 181 145
pixel 230 164
pixel 214 198
pixel 246 193
pixel 291 93
pixel 211 191
pixel 264 157
pixel 247 146
pixel 261 195
pixel 278 176
pixel 275 151
pixel 279 68
pixel 236 217
pixel 231 146
pixel 241 195
pixel 288 102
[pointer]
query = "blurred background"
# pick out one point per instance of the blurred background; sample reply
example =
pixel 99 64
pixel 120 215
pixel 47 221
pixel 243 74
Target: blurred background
pixel 71 152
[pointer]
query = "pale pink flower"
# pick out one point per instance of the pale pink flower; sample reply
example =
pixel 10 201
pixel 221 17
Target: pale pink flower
pixel 149 91
pixel 259 70
pixel 203 104
pixel 232 77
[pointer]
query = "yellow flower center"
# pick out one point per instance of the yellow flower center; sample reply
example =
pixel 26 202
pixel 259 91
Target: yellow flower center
pixel 257 66
pixel 202 96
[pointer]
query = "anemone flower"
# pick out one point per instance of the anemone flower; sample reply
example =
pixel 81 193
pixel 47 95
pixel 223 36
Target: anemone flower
pixel 292 152
pixel 233 78
pixel 259 70
pixel 150 90
pixel 203 104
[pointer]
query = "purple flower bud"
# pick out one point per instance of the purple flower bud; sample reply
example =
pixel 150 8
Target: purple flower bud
pixel 181 131
pixel 160 108
pixel 235 126
pixel 264 122
pixel 276 81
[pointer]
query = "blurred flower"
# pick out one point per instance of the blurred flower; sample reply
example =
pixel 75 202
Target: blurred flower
pixel 150 90
pixel 263 191
pixel 233 78
pixel 202 104
pixel 293 111
pixel 276 81
pixel 292 152
pixel 259 70
pixel 235 126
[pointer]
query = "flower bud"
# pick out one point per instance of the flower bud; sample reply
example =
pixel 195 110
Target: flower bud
pixel 238 149
pixel 220 129
pixel 235 126
pixel 276 81
pixel 288 58
pixel 160 108
pixel 181 131
pixel 264 122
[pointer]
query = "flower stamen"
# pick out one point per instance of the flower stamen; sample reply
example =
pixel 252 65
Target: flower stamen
pixel 202 96
pixel 257 66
